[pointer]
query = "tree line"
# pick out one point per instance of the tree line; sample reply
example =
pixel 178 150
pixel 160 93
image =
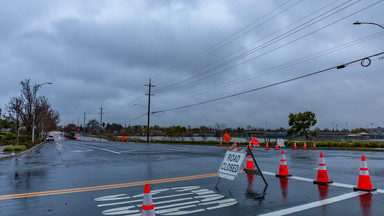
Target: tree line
pixel 300 125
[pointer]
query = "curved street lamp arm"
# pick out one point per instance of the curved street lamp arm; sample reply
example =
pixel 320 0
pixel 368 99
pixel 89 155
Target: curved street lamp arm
pixel 371 23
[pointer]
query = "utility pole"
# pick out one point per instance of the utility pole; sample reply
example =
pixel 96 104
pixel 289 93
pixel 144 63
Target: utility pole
pixel 78 121
pixel 84 123
pixel 149 105
pixel 101 120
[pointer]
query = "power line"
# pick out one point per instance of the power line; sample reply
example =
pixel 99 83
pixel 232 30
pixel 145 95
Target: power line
pixel 282 66
pixel 270 85
pixel 137 117
pixel 226 40
pixel 126 107
pixel 262 46
pixel 227 69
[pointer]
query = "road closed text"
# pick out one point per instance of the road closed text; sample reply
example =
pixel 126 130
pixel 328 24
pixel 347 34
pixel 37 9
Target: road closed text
pixel 231 164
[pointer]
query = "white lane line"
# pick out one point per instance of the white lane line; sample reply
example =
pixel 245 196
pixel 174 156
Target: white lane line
pixel 311 180
pixel 92 147
pixel 315 204
pixel 343 185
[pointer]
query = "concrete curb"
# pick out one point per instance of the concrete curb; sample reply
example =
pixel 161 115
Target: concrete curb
pixel 33 149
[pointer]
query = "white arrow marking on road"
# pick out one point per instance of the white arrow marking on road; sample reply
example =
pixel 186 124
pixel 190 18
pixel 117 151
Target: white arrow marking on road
pixel 190 199
pixel 121 210
pixel 113 197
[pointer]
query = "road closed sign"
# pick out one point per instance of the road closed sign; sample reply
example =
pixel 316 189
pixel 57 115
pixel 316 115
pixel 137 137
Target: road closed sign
pixel 231 164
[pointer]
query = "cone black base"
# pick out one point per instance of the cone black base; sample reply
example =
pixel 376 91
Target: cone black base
pixel 322 183
pixel 283 176
pixel 358 189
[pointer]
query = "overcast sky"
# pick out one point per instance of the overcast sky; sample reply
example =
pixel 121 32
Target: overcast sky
pixel 102 53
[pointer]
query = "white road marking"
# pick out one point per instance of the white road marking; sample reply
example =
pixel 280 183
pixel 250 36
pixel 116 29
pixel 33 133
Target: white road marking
pixel 175 205
pixel 120 203
pixel 121 210
pixel 187 200
pixel 343 185
pixel 93 147
pixel 192 199
pixel 112 198
pixel 124 196
pixel 79 151
pixel 311 180
pixel 222 203
pixel 176 211
pixel 169 201
pixel 315 204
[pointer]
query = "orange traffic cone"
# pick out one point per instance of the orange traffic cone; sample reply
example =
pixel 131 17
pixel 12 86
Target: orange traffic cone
pixel 364 178
pixel 147 209
pixel 277 147
pixel 314 146
pixel 249 164
pixel 267 146
pixel 322 175
pixel 294 146
pixel 221 144
pixel 250 145
pixel 283 169
pixel 235 145
pixel 305 145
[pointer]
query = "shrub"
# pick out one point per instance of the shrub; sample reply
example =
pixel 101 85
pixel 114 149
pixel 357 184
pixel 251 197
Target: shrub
pixel 8 135
pixel 22 138
pixel 15 148
pixel 72 134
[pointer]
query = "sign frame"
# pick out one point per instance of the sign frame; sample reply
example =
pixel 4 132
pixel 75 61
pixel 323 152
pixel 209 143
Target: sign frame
pixel 233 177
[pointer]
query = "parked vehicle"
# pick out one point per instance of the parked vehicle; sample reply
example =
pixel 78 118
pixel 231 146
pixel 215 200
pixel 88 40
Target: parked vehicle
pixel 50 138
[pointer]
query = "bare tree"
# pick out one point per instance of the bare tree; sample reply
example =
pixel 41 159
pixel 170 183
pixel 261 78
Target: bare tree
pixel 219 127
pixel 29 102
pixel 29 110
pixel 15 112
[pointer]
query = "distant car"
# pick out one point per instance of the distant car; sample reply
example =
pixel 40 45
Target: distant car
pixel 50 138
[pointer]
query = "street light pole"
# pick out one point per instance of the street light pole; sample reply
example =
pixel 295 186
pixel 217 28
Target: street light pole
pixel 371 23
pixel 35 89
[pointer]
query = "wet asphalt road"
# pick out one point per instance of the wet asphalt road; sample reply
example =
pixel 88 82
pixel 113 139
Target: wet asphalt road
pixel 107 178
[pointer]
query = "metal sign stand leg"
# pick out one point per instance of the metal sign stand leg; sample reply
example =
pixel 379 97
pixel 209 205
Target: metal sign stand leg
pixel 258 168
pixel 217 183
pixel 231 185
